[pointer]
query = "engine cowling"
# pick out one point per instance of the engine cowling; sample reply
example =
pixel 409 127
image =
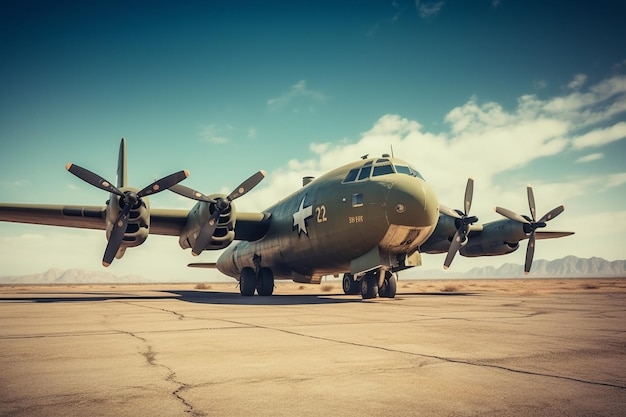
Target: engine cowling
pixel 199 215
pixel 138 227
pixel 439 241
pixel 497 238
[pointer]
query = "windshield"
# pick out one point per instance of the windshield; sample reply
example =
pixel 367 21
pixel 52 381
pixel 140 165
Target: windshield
pixel 379 168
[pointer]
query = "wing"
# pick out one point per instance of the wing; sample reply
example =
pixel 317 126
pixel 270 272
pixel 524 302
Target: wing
pixel 83 217
pixel 167 222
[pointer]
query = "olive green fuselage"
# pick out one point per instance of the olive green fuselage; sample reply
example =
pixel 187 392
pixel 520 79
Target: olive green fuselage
pixel 328 225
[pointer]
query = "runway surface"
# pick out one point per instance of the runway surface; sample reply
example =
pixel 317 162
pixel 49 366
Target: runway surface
pixel 452 349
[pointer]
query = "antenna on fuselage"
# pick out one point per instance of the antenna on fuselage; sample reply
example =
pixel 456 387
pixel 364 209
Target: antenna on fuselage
pixel 392 151
pixel 365 156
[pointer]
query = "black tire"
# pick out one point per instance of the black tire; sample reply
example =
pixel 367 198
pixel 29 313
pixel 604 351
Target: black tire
pixel 369 286
pixel 266 282
pixel 247 282
pixel 390 284
pixel 350 286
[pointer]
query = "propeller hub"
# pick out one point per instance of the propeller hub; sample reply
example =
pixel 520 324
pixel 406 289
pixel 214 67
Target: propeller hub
pixel 222 204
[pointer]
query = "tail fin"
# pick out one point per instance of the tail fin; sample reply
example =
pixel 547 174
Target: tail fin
pixel 122 178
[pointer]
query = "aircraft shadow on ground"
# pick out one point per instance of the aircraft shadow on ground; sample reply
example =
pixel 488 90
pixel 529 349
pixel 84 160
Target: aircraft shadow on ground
pixel 210 297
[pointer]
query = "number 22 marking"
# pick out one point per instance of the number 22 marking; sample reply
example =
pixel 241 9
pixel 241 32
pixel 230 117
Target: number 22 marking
pixel 321 214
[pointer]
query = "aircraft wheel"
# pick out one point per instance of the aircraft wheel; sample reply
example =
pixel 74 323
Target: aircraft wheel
pixel 247 282
pixel 388 289
pixel 350 286
pixel 369 286
pixel 266 282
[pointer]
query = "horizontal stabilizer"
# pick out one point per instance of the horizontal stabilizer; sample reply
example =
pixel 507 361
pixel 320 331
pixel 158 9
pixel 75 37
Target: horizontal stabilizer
pixel 211 265
pixel 551 235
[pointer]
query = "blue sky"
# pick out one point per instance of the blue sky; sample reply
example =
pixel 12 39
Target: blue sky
pixel 508 92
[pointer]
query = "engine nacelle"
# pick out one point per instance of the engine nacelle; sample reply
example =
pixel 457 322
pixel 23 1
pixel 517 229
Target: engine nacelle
pixel 199 215
pixel 138 227
pixel 439 241
pixel 497 238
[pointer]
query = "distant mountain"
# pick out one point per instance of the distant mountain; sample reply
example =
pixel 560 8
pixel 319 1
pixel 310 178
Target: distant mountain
pixel 568 267
pixel 71 276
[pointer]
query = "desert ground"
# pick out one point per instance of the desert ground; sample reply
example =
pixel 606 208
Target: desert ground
pixel 536 347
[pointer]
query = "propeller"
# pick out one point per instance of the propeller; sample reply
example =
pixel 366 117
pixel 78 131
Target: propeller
pixel 531 224
pixel 463 222
pixel 221 205
pixel 128 199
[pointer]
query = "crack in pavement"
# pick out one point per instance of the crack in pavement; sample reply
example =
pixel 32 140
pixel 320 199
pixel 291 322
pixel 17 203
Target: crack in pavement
pixel 440 358
pixel 150 356
pixel 422 355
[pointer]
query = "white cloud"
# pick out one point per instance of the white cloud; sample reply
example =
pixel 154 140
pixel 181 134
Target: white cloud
pixel 428 8
pixel 590 158
pixel 298 90
pixel 578 81
pixel 615 180
pixel 252 133
pixel 14 183
pixel 209 134
pixel 601 136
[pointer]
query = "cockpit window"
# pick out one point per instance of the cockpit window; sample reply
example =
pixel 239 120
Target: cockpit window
pixel 402 169
pixel 381 167
pixel 351 175
pixel 365 172
pixel 382 170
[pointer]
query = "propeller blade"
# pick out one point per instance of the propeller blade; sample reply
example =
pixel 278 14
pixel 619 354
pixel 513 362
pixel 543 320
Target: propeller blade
pixel 448 211
pixel 163 183
pixel 511 215
pixel 552 214
pixel 206 233
pixel 454 248
pixel 247 185
pixel 469 192
pixel 116 237
pixel 531 203
pixel 93 179
pixel 190 193
pixel 530 252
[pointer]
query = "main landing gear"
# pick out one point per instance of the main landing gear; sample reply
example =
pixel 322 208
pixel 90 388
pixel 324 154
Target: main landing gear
pixel 368 285
pixel 261 281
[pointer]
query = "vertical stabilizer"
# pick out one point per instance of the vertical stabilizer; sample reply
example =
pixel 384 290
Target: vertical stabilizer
pixel 122 177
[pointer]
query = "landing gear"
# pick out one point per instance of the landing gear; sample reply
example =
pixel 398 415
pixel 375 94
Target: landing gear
pixel 265 282
pixel 388 289
pixel 350 285
pixel 249 281
pixel 369 285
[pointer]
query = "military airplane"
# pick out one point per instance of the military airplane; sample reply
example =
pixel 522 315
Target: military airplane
pixel 367 220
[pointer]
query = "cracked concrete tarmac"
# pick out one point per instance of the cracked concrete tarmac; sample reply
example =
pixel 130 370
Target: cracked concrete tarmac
pixel 496 349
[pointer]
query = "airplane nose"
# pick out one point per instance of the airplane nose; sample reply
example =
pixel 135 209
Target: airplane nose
pixel 411 202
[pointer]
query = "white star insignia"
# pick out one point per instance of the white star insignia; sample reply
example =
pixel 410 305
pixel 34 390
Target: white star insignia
pixel 300 216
